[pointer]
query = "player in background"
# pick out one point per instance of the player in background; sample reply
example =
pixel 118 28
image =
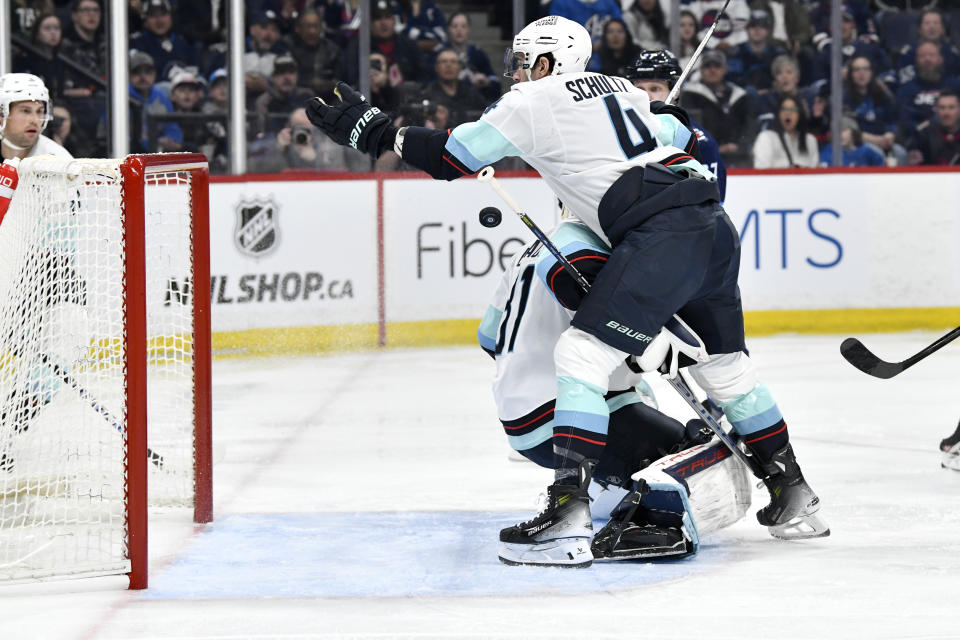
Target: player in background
pixel 593 139
pixel 533 305
pixel 25 111
pixel 656 72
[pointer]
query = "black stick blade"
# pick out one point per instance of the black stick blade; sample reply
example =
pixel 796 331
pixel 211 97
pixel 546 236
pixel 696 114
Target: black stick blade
pixel 863 359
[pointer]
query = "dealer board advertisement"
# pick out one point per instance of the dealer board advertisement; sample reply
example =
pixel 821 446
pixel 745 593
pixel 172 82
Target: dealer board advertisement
pixel 293 253
pixel 440 262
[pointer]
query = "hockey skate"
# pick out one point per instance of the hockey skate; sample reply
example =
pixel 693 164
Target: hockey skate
pixel 632 535
pixel 951 441
pixel 558 536
pixel 792 512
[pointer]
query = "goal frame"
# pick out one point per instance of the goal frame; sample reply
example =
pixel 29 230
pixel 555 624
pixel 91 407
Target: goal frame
pixel 135 170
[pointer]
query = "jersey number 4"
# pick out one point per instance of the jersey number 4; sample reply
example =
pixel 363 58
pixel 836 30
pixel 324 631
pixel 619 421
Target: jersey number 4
pixel 631 149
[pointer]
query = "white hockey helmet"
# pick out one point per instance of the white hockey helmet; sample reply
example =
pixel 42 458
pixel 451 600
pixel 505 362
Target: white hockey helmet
pixel 20 87
pixel 565 40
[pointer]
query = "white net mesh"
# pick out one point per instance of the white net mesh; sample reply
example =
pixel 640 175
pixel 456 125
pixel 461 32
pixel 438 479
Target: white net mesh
pixel 62 381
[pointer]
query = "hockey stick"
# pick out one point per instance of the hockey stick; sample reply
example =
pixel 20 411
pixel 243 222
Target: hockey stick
pixel 155 458
pixel 679 385
pixel 486 175
pixel 696 55
pixel 863 359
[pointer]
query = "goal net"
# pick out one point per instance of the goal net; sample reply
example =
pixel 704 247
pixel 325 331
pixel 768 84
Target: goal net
pixel 105 361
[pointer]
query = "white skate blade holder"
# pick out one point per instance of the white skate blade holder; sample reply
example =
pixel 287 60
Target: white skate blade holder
pixel 801 528
pixel 570 553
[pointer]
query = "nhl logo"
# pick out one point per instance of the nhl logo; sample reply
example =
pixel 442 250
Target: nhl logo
pixel 257 232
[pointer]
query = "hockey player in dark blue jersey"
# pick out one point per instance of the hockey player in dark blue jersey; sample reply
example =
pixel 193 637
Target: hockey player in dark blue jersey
pixel 656 72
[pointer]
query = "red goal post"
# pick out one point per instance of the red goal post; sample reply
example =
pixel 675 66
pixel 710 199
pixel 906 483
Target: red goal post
pixel 105 367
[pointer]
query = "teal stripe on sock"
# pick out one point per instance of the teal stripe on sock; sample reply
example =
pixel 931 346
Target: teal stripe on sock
pixel 752 411
pixel 581 404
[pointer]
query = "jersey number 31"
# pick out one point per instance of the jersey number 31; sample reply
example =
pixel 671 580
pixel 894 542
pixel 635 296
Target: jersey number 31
pixel 631 149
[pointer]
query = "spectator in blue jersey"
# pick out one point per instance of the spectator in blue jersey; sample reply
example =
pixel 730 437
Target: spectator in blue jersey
pixel 937 141
pixel 932 28
pixel 617 50
pixel 748 64
pixel 158 39
pixel 656 72
pixel 724 109
pixel 422 22
pixel 871 103
pixel 646 22
pixel 592 14
pixel 477 69
pixel 854 153
pixel 145 100
pixel 915 99
pixel 852 44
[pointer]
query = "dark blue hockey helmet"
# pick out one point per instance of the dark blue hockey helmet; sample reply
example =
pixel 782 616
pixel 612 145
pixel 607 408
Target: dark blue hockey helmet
pixel 655 65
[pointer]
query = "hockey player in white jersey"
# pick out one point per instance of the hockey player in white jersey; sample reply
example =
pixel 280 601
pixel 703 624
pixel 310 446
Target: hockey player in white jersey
pixel 594 140
pixel 532 307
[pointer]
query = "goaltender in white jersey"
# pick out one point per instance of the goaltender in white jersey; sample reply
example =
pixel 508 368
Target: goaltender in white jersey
pixel 696 487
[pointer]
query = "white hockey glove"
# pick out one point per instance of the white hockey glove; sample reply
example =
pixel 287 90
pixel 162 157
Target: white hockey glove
pixel 675 342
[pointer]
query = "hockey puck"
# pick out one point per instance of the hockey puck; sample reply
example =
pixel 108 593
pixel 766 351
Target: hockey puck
pixel 490 216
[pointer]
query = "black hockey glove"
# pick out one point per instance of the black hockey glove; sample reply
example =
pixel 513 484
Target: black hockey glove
pixel 658 106
pixel 354 122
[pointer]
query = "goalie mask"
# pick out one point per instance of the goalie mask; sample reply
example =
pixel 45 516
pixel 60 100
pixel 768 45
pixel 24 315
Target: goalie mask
pixel 661 66
pixel 23 87
pixel 564 41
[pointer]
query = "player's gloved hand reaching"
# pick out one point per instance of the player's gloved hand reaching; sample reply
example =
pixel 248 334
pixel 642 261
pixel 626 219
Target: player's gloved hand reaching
pixel 353 122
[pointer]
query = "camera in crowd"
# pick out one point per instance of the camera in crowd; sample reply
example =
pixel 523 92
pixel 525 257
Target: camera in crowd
pixel 417 112
pixel 301 134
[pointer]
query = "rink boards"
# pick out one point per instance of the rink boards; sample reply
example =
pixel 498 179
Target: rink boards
pixel 307 262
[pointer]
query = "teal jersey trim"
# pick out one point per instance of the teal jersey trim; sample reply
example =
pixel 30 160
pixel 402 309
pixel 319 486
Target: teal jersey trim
pixel 529 440
pixel 751 412
pixel 477 144
pixel 672 132
pixel 487 331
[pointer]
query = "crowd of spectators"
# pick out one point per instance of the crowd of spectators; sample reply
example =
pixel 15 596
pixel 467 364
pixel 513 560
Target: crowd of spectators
pixel 762 87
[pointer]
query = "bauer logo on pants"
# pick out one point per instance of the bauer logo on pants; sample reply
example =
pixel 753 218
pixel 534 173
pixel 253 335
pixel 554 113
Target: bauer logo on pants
pixel 257 232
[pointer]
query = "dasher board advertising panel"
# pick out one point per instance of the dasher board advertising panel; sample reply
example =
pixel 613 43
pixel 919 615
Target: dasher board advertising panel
pixel 855 240
pixel 293 253
pixel 440 262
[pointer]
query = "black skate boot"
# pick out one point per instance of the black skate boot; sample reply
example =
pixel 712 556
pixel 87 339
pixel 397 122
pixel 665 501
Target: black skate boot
pixel 950 441
pixel 559 536
pixel 793 504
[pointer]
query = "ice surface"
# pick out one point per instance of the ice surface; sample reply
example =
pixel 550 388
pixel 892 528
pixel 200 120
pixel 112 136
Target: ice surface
pixel 359 496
